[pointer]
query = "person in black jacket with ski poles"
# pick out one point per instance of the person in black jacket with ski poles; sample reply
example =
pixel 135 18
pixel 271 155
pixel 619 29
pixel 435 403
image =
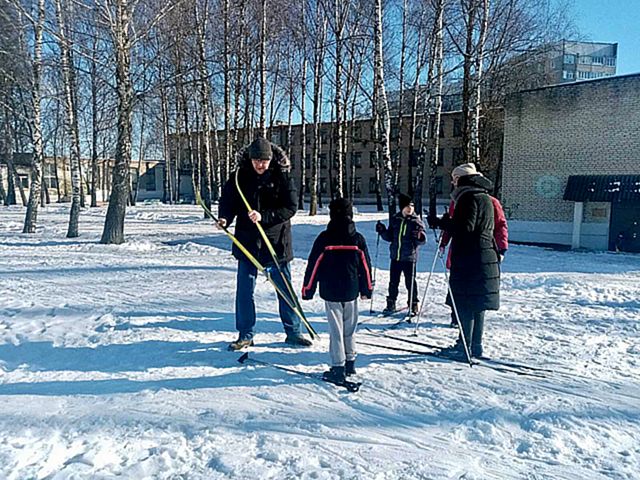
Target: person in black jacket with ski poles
pixel 406 234
pixel 263 178
pixel 339 262
pixel 475 263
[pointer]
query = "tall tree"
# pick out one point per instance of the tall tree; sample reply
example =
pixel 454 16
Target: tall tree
pixel 36 124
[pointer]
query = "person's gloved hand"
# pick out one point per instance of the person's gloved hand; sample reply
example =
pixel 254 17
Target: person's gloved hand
pixel 433 221
pixel 380 227
pixel 418 235
pixel 501 255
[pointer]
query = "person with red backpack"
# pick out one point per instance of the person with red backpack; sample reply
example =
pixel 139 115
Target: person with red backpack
pixel 339 262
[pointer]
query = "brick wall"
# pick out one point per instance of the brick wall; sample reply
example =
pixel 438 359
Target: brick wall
pixel 583 128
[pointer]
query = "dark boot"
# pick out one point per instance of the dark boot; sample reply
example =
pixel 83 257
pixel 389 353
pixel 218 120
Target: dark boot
pixel 297 341
pixel 390 308
pixel 240 344
pixel 455 351
pixel 415 309
pixel 350 367
pixel 334 375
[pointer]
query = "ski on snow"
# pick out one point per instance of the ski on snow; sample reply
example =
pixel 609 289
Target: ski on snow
pixel 347 384
pixel 474 362
pixel 503 363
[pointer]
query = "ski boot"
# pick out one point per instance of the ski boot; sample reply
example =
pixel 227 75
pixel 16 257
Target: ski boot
pixel 334 375
pixel 350 368
pixel 297 341
pixel 454 352
pixel 390 309
pixel 240 344
pixel 415 309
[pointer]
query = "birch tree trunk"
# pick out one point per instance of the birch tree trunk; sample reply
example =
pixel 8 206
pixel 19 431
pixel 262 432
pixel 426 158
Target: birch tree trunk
pixel 397 158
pixel 94 123
pixel 201 22
pixel 303 121
pixel 439 59
pixel 224 169
pixel 113 231
pixel 36 127
pixel 339 20
pixel 470 12
pixel 384 111
pixel 479 71
pixel 317 106
pixel 263 71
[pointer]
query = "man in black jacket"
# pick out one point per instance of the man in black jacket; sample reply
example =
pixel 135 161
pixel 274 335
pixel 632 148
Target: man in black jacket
pixel 263 178
pixel 339 262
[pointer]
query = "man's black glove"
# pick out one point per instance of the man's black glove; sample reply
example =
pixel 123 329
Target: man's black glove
pixel 380 227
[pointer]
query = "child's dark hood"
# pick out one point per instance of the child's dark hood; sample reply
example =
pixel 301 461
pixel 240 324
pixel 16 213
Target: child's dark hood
pixel 341 230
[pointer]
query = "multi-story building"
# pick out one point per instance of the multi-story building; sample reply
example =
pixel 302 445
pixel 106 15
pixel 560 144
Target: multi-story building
pixel 583 61
pixel 571 173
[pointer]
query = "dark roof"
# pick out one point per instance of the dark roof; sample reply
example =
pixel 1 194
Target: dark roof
pixel 19 159
pixel 603 188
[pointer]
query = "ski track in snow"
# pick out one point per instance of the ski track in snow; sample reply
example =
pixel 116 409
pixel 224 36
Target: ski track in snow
pixel 113 363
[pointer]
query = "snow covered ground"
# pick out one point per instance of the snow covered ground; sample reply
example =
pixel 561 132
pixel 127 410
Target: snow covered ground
pixel 113 363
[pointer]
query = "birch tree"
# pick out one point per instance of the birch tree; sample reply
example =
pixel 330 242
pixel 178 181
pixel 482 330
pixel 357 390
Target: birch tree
pixel 36 124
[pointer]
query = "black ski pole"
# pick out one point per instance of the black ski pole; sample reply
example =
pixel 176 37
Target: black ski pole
pixel 375 268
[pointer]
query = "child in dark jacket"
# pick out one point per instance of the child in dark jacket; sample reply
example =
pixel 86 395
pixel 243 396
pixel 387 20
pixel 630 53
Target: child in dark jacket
pixel 406 234
pixel 339 262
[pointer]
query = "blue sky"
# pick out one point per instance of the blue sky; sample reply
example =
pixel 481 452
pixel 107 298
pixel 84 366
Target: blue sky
pixel 613 21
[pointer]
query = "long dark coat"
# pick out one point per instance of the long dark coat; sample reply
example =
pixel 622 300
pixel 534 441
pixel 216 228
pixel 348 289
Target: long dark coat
pixel 273 195
pixel 475 268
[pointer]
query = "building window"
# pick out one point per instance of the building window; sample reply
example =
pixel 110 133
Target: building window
pixel 597 60
pixel 357 188
pixel 438 185
pixel 150 179
pixel 457 127
pixel 307 162
pixel 457 155
pixel 373 185
pixel 324 136
pixel 585 59
pixel 440 157
pixel 323 185
pixel 49 176
pixel 373 157
pixel 356 159
pixel 395 130
pixel 566 75
pixel 276 137
pixel 610 61
pixel 569 59
pixel 356 132
pixel 433 126
pixel 323 160
pixel 415 157
pixel 24 180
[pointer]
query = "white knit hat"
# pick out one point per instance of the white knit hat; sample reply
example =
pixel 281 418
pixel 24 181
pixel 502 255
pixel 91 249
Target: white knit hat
pixel 464 170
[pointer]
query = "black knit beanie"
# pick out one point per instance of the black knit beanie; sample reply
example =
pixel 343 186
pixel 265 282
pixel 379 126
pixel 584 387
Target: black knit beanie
pixel 260 149
pixel 340 209
pixel 404 200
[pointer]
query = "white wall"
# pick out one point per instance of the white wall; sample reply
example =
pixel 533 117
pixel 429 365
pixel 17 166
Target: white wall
pixel 594 236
